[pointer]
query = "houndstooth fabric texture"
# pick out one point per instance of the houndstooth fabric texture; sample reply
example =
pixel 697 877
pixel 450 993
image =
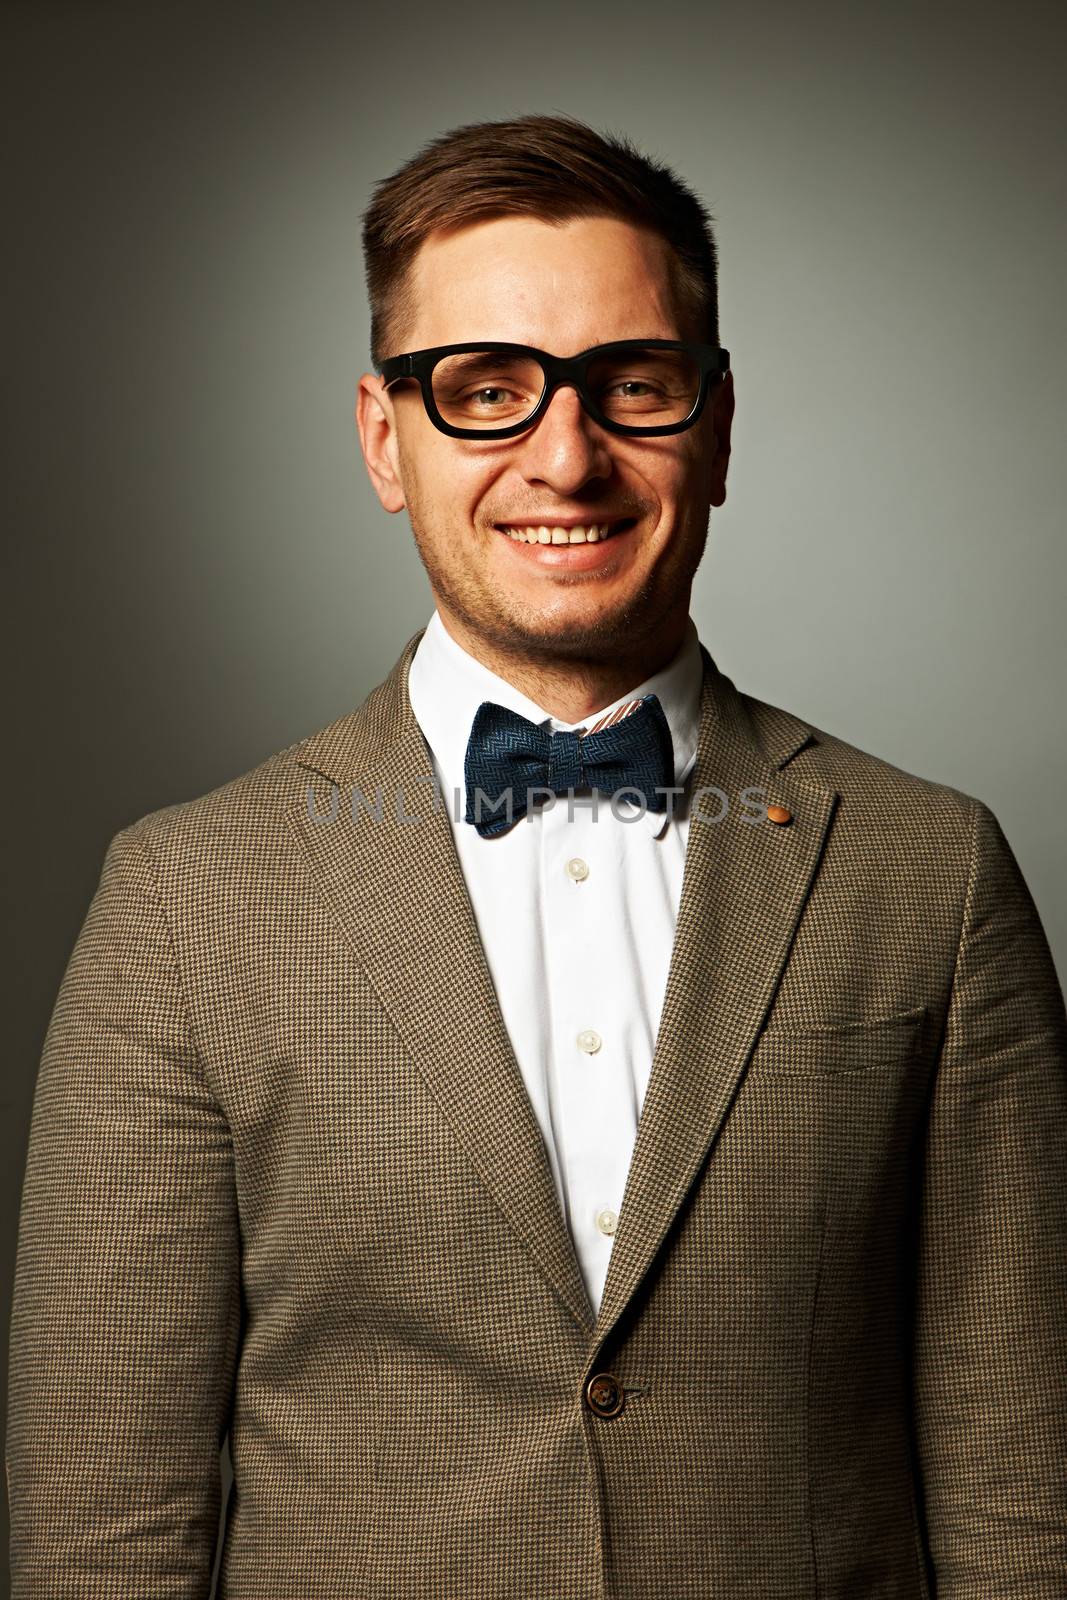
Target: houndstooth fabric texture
pixel 283 1178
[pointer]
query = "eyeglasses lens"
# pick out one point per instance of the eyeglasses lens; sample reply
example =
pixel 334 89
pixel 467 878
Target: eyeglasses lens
pixel 644 388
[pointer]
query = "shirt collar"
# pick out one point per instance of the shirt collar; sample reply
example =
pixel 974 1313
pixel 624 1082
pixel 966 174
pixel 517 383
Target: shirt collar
pixel 446 685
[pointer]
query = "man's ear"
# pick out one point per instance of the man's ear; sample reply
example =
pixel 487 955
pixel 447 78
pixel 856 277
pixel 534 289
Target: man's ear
pixel 376 422
pixel 722 418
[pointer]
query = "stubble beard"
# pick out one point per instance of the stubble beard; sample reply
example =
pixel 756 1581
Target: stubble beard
pixel 512 630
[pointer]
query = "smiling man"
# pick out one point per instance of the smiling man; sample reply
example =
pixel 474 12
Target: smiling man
pixel 583 1131
pixel 562 557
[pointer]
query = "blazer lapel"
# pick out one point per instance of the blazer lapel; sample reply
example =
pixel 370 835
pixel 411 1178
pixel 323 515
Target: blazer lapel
pixel 397 892
pixel 744 887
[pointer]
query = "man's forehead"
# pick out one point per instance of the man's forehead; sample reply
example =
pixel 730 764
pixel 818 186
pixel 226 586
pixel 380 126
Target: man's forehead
pixel 563 287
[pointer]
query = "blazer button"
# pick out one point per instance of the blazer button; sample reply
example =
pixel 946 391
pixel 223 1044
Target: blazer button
pixel 779 814
pixel 605 1395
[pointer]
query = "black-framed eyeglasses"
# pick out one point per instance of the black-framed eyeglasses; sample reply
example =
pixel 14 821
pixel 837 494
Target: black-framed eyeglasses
pixel 495 390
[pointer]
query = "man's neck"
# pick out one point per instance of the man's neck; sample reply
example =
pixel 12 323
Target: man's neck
pixel 571 689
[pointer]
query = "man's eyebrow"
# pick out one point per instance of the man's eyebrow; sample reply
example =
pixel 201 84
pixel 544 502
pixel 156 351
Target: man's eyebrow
pixel 475 358
pixel 472 357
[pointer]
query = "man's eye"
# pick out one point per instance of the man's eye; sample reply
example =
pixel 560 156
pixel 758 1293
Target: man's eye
pixel 628 385
pixel 487 393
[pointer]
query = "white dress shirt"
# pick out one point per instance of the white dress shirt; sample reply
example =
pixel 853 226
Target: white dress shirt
pixel 577 917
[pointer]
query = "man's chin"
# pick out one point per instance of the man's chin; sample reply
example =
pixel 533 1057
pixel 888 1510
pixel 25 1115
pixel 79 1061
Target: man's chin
pixel 605 632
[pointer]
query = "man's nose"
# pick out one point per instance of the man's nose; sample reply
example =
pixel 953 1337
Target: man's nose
pixel 565 447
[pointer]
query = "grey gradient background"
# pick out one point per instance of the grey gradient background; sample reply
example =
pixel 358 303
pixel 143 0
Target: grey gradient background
pixel 197 568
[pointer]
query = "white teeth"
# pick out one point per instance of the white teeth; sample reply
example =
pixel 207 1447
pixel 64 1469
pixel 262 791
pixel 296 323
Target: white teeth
pixel 555 535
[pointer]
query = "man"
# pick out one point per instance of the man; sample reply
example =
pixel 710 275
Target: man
pixel 585 1131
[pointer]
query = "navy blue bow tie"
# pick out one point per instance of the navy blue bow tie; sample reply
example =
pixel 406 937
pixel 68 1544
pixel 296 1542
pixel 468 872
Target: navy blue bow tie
pixel 507 755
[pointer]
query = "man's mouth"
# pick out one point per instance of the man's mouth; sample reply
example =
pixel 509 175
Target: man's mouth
pixel 547 533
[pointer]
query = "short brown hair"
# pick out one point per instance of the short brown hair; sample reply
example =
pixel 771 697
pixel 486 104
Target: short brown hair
pixel 551 167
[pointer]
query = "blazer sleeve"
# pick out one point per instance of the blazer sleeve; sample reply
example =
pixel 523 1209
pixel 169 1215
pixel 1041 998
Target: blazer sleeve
pixel 126 1312
pixel 991 1307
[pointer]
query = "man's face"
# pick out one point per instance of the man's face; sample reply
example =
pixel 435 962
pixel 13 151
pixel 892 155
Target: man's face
pixel 560 289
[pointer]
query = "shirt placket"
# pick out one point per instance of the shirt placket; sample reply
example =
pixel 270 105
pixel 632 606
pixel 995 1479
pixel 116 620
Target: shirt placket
pixel 590 1089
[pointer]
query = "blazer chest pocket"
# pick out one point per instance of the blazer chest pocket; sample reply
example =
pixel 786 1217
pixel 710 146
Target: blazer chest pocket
pixel 839 1049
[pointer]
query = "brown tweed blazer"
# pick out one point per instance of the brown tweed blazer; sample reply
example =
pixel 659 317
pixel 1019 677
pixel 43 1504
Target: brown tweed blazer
pixel 284 1179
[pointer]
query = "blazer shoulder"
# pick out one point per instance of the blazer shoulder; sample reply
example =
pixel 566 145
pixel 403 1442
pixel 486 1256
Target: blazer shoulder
pixel 238 817
pixel 859 775
pixel 244 816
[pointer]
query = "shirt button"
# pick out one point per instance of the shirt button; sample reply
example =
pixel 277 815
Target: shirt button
pixel 577 869
pixel 607 1221
pixel 589 1041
